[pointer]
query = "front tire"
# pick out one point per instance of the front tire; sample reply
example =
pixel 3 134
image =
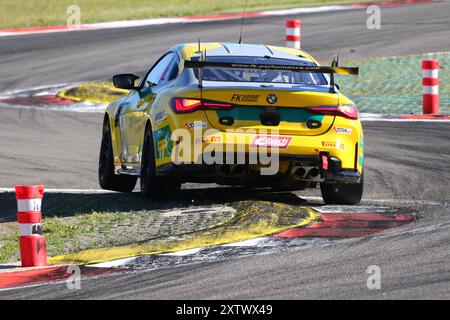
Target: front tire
pixel 106 177
pixel 342 193
pixel 152 185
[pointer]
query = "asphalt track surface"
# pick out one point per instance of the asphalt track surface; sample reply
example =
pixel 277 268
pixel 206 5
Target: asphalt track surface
pixel 404 161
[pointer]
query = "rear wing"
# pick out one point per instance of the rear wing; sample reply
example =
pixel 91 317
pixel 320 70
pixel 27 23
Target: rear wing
pixel 333 69
pixel 275 67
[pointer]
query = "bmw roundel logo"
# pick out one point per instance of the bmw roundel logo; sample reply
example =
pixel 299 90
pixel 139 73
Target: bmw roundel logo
pixel 271 98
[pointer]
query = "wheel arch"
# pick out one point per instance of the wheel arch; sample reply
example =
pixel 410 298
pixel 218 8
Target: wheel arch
pixel 112 128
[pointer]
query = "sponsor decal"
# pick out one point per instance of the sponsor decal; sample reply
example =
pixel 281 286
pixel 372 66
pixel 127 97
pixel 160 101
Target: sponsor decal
pixel 196 125
pixel 333 144
pixel 276 142
pixel 162 145
pixel 161 116
pixel 361 157
pixel 163 142
pixel 271 98
pixel 245 97
pixel 343 130
pixel 212 139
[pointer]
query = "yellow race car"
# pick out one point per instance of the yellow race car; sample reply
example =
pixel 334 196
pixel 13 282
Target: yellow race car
pixel 234 114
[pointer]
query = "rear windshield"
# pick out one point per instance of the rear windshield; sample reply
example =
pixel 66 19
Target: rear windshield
pixel 254 75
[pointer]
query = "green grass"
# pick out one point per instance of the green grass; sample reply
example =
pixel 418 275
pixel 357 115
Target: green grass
pixel 63 234
pixel 9 247
pixel 121 220
pixel 36 13
pixel 394 85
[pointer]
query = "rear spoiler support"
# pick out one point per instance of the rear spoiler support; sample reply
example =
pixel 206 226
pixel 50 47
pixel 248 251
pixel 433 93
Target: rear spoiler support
pixel 200 70
pixel 334 63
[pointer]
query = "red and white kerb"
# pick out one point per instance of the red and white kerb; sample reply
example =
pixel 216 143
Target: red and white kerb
pixel 293 33
pixel 29 216
pixel 430 82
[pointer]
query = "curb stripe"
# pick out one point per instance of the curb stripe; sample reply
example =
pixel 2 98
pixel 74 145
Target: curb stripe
pixel 246 243
pixel 357 224
pixel 327 233
pixel 17 278
pixel 38 100
pixel 183 252
pixel 348 225
pixel 366 217
pixel 93 256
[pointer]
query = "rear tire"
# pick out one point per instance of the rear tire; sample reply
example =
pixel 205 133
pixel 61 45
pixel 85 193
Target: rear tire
pixel 342 193
pixel 151 184
pixel 106 177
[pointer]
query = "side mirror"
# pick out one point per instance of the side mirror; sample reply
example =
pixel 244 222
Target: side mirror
pixel 125 81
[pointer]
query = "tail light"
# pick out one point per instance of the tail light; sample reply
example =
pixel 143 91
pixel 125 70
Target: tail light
pixel 344 110
pixel 183 105
pixel 186 105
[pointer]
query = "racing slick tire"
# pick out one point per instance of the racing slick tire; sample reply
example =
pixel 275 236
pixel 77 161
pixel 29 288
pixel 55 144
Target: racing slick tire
pixel 151 184
pixel 106 177
pixel 342 193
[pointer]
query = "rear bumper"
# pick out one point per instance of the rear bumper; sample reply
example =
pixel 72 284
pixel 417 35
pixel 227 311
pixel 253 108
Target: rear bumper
pixel 297 155
pixel 201 172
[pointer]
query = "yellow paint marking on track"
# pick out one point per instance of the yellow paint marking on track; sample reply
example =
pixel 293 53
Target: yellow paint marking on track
pixel 96 92
pixel 242 228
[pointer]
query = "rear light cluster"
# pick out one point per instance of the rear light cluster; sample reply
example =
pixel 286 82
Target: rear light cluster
pixel 344 110
pixel 184 105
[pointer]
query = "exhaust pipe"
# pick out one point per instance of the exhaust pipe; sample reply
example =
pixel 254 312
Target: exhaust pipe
pixel 239 169
pixel 225 168
pixel 299 173
pixel 314 172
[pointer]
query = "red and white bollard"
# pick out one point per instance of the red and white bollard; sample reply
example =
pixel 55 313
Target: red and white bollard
pixel 293 34
pixel 430 82
pixel 33 251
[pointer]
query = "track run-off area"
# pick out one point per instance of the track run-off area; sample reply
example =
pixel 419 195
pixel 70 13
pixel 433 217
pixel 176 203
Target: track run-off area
pixel 402 226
